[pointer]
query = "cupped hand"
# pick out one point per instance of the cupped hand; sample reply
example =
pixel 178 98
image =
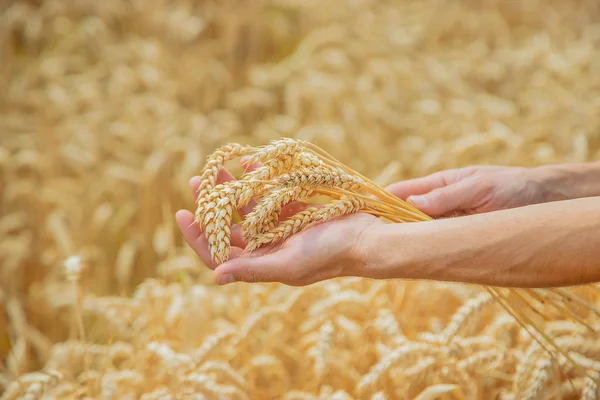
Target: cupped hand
pixel 317 253
pixel 475 189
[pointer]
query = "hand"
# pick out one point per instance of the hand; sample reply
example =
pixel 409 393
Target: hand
pixel 476 189
pixel 317 253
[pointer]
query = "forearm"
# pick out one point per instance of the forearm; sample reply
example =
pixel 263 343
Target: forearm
pixel 551 244
pixel 569 181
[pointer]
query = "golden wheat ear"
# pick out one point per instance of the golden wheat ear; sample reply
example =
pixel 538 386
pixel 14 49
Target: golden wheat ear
pixel 214 163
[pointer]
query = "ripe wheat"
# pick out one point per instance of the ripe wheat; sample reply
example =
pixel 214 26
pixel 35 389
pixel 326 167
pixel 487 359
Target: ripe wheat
pixel 134 95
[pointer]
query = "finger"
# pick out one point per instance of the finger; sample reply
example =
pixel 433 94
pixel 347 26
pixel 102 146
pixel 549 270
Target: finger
pixel 222 177
pixel 249 167
pixel 235 252
pixel 225 176
pixel 194 185
pixel 418 186
pixel 237 239
pixel 195 238
pixel 454 198
pixel 245 210
pixel 273 267
pixel 286 211
pixel 294 208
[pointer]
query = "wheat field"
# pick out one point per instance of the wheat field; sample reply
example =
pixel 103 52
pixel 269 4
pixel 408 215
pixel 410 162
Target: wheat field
pixel 107 108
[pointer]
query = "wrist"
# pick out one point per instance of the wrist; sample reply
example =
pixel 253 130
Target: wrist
pixel 395 251
pixel 568 181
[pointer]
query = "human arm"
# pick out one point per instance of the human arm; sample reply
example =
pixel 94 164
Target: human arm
pixel 544 245
pixel 341 247
pixel 489 188
pixel 574 180
pixel 551 244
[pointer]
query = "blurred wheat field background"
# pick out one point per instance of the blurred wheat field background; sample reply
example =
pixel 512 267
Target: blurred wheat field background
pixel 107 108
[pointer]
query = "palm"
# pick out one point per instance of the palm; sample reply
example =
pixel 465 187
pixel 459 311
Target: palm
pixel 341 232
pixel 319 252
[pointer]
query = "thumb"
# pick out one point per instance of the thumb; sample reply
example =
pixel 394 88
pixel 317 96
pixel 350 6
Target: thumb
pixel 440 201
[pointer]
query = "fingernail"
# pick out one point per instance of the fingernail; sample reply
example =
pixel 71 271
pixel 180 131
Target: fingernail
pixel 417 201
pixel 225 279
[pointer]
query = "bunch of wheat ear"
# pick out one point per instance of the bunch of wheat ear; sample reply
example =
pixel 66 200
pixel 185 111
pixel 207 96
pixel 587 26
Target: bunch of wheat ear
pixel 291 170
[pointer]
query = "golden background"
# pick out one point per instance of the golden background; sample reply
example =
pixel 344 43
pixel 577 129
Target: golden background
pixel 108 107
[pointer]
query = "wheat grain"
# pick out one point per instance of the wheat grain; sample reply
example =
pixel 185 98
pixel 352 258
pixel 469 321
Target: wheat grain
pixel 503 329
pixel 322 348
pixel 590 389
pixel 217 225
pixel 379 396
pixel 469 387
pixel 466 313
pixel 526 363
pixel 212 168
pixel 297 185
pixel 540 376
pixel 266 213
pixel 406 353
pixel 587 347
pixel 388 326
pixel 225 370
pixel 121 383
pixel 209 344
pixel 418 371
pixel 474 362
pixel 277 148
pixel 271 168
pixel 205 384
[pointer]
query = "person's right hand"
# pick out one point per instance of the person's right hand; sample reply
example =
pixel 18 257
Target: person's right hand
pixel 476 189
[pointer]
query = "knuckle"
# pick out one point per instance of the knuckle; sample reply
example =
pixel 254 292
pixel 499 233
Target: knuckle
pixel 469 170
pixel 481 183
pixel 437 195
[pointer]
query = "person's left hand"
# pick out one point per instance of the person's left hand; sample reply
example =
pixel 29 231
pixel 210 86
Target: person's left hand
pixel 317 253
